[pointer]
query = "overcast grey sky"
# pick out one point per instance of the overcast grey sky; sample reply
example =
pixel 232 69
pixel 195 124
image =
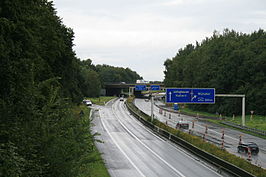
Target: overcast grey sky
pixel 142 34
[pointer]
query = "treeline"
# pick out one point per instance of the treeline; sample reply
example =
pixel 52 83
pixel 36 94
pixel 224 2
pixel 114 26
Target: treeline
pixel 110 74
pixel 41 80
pixel 231 62
pixel 93 77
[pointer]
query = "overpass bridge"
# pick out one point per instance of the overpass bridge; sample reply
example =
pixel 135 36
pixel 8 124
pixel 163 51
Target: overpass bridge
pixel 111 89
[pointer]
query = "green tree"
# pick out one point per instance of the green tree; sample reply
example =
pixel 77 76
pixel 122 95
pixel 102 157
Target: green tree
pixel 230 62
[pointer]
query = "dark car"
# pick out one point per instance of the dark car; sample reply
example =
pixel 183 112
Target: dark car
pixel 243 147
pixel 182 124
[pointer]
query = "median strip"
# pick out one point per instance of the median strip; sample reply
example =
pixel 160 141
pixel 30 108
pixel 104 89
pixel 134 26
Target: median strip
pixel 220 158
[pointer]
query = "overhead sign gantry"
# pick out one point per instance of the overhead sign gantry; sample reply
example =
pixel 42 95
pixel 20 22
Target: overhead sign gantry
pixel 190 95
pixel 155 87
pixel 140 87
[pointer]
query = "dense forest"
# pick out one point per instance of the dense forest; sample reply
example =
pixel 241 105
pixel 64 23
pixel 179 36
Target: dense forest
pixel 41 81
pixel 102 74
pixel 110 74
pixel 231 62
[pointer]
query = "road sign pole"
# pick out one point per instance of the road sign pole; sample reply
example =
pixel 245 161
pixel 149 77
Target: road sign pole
pixel 243 111
pixel 152 108
pixel 243 104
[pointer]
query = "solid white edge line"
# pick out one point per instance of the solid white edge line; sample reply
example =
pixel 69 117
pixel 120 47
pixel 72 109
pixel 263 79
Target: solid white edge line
pixel 176 147
pixel 216 132
pixel 169 165
pixel 132 163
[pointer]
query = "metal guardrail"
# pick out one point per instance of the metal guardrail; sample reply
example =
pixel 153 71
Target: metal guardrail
pixel 253 130
pixel 216 161
pixel 185 113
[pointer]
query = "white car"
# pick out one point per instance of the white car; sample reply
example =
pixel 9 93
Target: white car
pixel 87 102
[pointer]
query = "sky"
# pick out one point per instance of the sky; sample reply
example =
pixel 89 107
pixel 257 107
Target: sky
pixel 142 34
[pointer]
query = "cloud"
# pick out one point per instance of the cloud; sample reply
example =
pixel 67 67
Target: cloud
pixel 138 33
pixel 173 3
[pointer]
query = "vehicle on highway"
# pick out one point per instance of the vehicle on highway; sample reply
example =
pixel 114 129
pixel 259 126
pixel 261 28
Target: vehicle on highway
pixel 182 124
pixel 146 99
pixel 87 102
pixel 121 99
pixel 243 147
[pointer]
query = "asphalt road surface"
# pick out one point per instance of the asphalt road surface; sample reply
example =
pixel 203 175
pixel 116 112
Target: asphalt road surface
pixel 214 132
pixel 130 150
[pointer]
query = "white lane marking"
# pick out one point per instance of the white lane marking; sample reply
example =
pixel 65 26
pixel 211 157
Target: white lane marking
pixel 123 152
pixel 175 146
pixel 140 124
pixel 154 153
pixel 208 129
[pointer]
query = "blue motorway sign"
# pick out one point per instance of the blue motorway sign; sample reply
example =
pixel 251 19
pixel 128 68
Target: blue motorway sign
pixel 190 95
pixel 155 87
pixel 140 87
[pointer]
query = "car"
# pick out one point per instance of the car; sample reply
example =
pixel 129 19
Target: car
pixel 88 103
pixel 121 99
pixel 147 100
pixel 243 147
pixel 182 124
pixel 84 101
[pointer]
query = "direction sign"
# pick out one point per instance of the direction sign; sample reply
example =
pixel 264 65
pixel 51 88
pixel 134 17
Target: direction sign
pixel 155 87
pixel 140 87
pixel 190 95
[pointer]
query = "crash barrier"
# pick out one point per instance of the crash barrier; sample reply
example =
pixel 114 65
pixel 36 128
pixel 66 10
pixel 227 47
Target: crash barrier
pixel 185 113
pixel 253 130
pixel 219 163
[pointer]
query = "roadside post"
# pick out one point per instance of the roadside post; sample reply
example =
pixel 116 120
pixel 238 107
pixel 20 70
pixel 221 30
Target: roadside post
pixel 222 139
pixel 206 129
pixel 152 115
pixel 249 154
pixel 240 139
pixel 251 115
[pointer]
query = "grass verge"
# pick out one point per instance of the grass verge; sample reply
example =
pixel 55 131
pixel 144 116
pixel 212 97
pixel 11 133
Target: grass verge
pixel 93 165
pixel 256 121
pixel 101 100
pixel 208 147
pixel 219 122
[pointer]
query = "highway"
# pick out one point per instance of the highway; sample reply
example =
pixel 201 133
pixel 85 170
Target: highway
pixel 214 132
pixel 130 149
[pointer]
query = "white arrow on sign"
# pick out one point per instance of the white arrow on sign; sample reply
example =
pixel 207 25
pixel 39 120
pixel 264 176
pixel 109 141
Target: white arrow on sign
pixel 195 96
pixel 170 96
